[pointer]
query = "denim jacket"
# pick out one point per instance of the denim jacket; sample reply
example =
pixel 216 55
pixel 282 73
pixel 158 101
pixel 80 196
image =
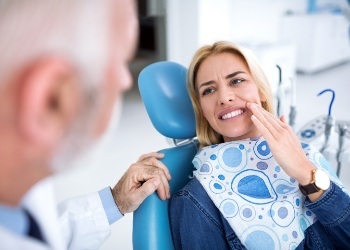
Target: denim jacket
pixel 196 223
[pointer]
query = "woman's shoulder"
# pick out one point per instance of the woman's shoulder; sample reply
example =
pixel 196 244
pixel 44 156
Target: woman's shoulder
pixel 193 194
pixel 193 188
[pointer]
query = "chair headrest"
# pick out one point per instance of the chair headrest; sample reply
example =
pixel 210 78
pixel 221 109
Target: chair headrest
pixel 162 87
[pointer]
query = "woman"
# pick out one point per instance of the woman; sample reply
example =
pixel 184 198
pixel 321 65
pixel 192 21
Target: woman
pixel 256 186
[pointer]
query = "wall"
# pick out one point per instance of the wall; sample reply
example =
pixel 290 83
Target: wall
pixel 193 23
pixel 254 23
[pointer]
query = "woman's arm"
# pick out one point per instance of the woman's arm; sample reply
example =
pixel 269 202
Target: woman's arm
pixel 196 223
pixel 333 211
pixel 332 207
pixel 285 146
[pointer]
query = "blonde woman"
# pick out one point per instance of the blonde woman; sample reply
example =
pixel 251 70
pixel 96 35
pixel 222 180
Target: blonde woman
pixel 255 186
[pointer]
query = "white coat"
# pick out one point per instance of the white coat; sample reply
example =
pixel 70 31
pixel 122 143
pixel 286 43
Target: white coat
pixel 78 223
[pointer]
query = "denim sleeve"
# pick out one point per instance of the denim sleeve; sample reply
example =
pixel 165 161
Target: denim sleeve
pixel 333 212
pixel 108 203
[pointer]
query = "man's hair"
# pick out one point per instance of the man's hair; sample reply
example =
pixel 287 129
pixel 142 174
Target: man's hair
pixel 205 133
pixel 75 30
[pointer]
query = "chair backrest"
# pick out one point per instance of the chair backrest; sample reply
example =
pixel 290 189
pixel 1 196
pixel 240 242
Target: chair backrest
pixel 163 90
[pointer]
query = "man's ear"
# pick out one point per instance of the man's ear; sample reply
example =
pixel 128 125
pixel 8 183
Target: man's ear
pixel 48 100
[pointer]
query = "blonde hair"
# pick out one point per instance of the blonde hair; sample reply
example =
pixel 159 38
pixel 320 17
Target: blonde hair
pixel 205 133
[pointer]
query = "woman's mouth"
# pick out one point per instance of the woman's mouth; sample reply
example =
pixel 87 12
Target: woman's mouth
pixel 232 114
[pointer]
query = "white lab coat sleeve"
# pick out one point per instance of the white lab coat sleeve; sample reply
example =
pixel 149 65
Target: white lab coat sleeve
pixel 83 222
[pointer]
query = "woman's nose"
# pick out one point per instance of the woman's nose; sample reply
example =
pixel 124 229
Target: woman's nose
pixel 226 96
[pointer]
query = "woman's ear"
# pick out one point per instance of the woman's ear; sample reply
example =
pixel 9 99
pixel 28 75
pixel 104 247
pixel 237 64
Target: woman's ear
pixel 48 100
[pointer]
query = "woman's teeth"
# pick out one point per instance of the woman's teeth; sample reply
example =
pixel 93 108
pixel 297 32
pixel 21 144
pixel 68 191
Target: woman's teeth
pixel 232 114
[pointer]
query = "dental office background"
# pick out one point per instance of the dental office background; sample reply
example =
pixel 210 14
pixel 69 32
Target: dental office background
pixel 308 40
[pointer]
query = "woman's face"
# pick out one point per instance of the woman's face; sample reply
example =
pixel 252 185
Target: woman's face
pixel 225 85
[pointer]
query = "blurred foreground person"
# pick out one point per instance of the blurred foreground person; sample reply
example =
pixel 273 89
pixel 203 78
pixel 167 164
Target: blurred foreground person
pixel 63 66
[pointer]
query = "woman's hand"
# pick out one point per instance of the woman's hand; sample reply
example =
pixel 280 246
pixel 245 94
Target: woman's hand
pixel 284 144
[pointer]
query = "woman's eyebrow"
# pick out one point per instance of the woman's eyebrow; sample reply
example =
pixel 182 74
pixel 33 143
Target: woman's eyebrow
pixel 205 84
pixel 234 74
pixel 227 77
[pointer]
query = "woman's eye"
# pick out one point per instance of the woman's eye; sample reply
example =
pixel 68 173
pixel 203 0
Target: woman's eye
pixel 207 91
pixel 237 81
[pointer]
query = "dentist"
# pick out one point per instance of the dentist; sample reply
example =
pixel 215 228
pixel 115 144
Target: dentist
pixel 63 66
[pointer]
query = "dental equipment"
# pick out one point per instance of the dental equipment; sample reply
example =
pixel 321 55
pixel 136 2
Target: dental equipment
pixel 335 148
pixel 342 132
pixel 329 121
pixel 280 93
pixel 293 111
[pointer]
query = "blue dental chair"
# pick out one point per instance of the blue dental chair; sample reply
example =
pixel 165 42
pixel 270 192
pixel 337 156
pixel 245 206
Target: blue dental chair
pixel 162 86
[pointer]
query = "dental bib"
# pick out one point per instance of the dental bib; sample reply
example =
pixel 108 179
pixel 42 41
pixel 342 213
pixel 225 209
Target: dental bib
pixel 262 204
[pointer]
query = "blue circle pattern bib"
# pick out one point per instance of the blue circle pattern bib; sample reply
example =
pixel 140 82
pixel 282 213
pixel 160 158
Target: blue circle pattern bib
pixel 262 204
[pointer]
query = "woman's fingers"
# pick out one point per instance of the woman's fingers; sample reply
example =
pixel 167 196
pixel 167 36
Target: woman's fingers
pixel 274 126
pixel 262 121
